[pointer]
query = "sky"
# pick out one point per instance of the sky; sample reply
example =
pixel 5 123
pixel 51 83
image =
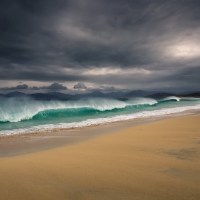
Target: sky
pixel 107 45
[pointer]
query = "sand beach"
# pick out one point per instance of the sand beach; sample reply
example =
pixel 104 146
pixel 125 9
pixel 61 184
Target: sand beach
pixel 154 161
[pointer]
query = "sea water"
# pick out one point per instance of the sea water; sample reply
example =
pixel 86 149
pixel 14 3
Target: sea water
pixel 25 115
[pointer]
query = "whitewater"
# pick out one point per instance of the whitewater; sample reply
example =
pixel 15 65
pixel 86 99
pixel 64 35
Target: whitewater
pixel 24 115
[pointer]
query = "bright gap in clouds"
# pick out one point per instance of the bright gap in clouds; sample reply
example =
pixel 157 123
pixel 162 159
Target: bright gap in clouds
pixel 107 71
pixel 115 71
pixel 185 50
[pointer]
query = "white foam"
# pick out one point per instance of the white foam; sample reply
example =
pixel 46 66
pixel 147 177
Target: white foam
pixel 171 98
pixel 99 121
pixel 15 110
pixel 141 101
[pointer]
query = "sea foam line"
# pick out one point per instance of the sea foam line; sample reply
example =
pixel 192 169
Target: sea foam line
pixel 99 121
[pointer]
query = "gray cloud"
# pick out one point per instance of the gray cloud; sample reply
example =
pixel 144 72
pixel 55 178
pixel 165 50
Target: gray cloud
pixel 103 88
pixel 107 88
pixel 54 87
pixel 80 86
pixel 124 43
pixel 18 87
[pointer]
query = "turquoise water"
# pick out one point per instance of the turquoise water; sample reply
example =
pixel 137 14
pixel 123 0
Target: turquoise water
pixel 28 115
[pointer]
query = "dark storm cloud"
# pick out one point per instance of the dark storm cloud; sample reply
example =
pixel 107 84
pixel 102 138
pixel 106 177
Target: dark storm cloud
pixel 80 86
pixel 40 75
pixel 55 87
pixel 18 87
pixel 63 40
pixel 107 88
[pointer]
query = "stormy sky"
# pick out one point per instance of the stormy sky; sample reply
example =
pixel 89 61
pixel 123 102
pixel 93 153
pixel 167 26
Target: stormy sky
pixel 105 44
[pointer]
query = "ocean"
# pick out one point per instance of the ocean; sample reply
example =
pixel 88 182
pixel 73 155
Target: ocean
pixel 24 115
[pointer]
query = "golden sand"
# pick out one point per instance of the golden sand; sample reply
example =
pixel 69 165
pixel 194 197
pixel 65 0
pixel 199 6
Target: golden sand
pixel 157 161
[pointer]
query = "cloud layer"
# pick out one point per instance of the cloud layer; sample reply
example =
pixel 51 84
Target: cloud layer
pixel 151 44
pixel 52 87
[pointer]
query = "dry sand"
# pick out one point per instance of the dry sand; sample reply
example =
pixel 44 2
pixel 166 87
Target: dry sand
pixel 157 161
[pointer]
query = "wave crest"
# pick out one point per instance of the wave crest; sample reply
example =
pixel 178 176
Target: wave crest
pixel 99 121
pixel 171 98
pixel 141 101
pixel 15 110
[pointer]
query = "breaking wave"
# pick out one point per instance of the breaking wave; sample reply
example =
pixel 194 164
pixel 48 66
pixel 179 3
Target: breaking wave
pixel 16 110
pixel 26 115
pixel 171 98
pixel 98 121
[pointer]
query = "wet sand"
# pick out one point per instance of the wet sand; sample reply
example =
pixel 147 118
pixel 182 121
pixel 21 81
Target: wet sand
pixel 159 160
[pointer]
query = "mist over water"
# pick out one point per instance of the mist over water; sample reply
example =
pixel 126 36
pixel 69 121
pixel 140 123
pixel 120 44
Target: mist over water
pixel 23 115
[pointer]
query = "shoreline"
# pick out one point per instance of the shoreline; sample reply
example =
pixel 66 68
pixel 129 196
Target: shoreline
pixel 152 161
pixel 102 121
pixel 13 145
